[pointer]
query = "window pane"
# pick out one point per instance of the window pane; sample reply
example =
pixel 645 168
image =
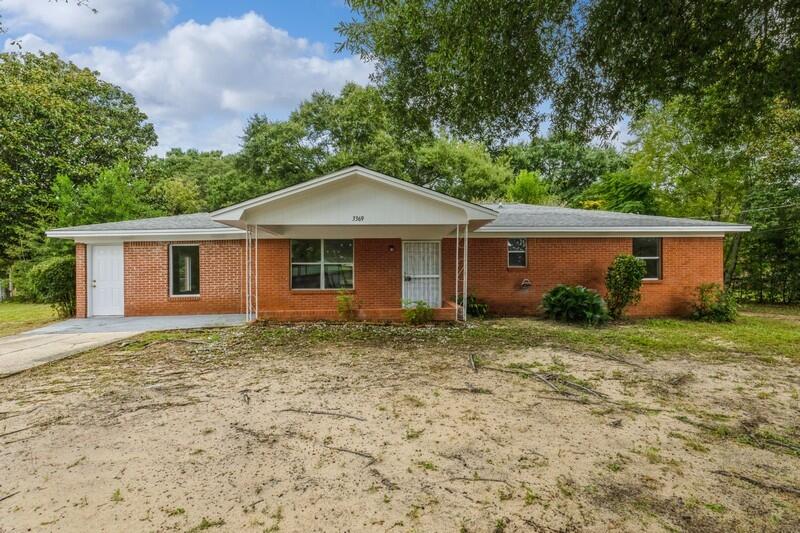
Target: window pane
pixel 306 251
pixel 338 251
pixel 516 245
pixel 645 247
pixel 185 269
pixel 338 276
pixel 305 276
pixel 516 259
pixel 653 267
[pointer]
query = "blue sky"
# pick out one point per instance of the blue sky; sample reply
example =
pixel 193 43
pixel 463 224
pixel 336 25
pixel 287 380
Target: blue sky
pixel 198 69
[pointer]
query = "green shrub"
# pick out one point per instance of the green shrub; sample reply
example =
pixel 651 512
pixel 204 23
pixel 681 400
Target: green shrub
pixel 714 304
pixel 418 313
pixel 346 305
pixel 19 275
pixel 574 303
pixel 53 281
pixel 475 307
pixel 623 281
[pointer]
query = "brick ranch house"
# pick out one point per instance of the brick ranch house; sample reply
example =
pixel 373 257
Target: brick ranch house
pixel 288 254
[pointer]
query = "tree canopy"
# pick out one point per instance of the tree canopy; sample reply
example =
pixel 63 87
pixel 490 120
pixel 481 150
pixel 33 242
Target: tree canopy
pixel 487 68
pixel 57 118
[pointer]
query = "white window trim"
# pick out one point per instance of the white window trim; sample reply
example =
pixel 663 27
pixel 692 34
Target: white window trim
pixel 171 293
pixel 321 264
pixel 657 258
pixel 509 252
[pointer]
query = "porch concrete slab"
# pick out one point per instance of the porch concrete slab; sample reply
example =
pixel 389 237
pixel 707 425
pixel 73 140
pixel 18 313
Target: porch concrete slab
pixel 61 339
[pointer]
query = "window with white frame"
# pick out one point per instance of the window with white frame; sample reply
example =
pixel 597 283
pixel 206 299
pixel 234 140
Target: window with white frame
pixel 322 264
pixel 184 269
pixel 517 252
pixel 648 249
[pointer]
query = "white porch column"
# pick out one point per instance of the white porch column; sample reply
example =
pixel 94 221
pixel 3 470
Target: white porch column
pixel 464 295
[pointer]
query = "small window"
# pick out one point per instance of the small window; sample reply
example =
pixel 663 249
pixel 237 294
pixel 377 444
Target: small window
pixel 184 266
pixel 649 250
pixel 517 252
pixel 322 264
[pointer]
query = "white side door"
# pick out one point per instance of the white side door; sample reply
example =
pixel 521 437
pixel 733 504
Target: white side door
pixel 422 272
pixel 106 280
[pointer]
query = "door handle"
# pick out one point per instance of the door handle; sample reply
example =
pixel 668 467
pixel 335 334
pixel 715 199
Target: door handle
pixel 407 278
pixel 94 283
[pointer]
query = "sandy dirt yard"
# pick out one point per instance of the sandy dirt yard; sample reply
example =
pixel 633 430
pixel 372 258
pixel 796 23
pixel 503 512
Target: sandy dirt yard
pixel 377 428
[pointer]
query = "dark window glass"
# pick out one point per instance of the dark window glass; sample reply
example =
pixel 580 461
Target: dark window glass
pixel 306 276
pixel 338 276
pixel 185 265
pixel 322 264
pixel 649 250
pixel 517 252
pixel 307 251
pixel 338 251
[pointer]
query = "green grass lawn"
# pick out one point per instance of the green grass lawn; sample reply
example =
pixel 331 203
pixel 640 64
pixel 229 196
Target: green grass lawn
pixel 19 317
pixel 759 337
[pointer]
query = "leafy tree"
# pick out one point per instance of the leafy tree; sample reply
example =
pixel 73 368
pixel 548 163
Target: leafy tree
pixel 357 127
pixel 623 282
pixel 530 188
pixel 566 163
pixel 485 67
pixel 621 191
pixel 56 118
pixel 461 169
pixel 275 155
pixel 191 181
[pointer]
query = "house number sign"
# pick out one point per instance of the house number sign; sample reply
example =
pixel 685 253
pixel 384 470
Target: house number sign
pixel 358 218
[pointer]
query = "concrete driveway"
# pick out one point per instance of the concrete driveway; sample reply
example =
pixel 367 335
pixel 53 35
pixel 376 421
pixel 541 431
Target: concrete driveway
pixel 58 340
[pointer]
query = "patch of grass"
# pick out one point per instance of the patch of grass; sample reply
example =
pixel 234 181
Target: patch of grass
pixel 205 523
pixel 715 507
pixel 18 317
pixel 427 465
pixel 117 496
pixel 175 512
pixel 412 434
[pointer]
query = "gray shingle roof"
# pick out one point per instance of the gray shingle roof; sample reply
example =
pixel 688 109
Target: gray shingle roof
pixel 510 216
pixel 195 221
pixel 540 216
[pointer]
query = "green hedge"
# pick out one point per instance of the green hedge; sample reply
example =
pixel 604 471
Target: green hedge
pixel 53 281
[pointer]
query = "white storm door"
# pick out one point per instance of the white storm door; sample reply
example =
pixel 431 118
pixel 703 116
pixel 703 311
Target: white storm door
pixel 421 273
pixel 106 282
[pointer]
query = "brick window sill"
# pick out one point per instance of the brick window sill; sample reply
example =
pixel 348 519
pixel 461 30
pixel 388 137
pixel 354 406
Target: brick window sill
pixel 188 297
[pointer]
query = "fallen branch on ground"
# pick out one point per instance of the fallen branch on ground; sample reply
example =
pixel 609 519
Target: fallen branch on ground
pixel 8 496
pixel 760 483
pixel 327 413
pixel 472 364
pixel 371 458
pixel 521 372
pixel 486 479
pixel 19 430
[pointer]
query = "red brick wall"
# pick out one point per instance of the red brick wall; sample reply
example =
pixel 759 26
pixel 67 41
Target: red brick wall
pixel 147 280
pixel 686 263
pixel 377 284
pixel 80 280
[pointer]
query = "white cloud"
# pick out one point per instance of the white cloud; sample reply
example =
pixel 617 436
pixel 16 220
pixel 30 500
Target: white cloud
pixel 30 42
pixel 112 19
pixel 200 81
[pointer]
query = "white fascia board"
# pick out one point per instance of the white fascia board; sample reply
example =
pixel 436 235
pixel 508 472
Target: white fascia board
pixel 236 211
pixel 645 230
pixel 87 234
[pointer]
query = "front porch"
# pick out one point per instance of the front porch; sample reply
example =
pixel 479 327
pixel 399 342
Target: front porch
pixel 354 234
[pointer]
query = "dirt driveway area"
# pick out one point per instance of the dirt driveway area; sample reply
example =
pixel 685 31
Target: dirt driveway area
pixel 367 428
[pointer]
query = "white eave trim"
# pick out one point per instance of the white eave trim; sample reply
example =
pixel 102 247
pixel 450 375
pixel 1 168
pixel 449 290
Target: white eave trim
pixel 80 234
pixel 316 182
pixel 617 229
